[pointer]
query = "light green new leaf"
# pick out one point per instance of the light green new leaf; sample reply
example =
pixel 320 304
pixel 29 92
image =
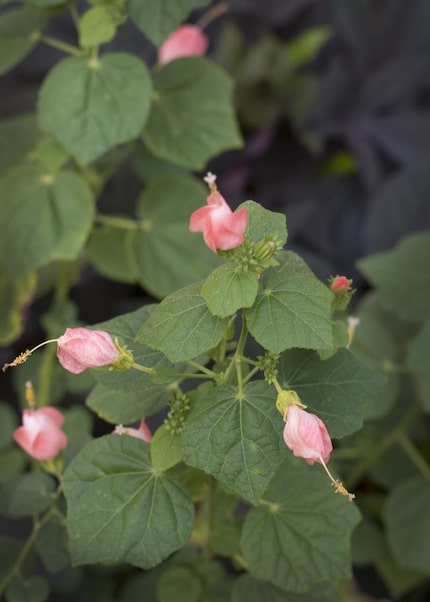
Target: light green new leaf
pixel 407 518
pixel 401 277
pixel 182 326
pixel 292 308
pixel 301 535
pixel 15 293
pixel 191 118
pixel 18 136
pixel 166 449
pixel 124 407
pixel 92 106
pixel 335 389
pixel 129 513
pixel 418 360
pixel 97 26
pixel 19 31
pixel 261 222
pixel 236 438
pixel 43 217
pixel 158 18
pixel 228 289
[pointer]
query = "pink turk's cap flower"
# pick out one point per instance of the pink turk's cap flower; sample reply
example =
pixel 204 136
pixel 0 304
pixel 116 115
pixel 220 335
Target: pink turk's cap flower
pixel 41 435
pixel 142 432
pixel 187 40
pixel 81 348
pixel 222 229
pixel 307 436
pixel 340 282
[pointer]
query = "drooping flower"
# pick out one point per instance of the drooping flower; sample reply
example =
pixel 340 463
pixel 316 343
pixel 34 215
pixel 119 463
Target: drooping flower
pixel 186 40
pixel 340 283
pixel 222 228
pixel 307 436
pixel 41 435
pixel 142 432
pixel 81 348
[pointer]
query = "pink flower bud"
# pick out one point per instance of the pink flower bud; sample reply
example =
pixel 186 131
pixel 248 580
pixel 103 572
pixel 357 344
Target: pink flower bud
pixel 142 432
pixel 81 348
pixel 222 229
pixel 41 436
pixel 187 40
pixel 306 435
pixel 340 282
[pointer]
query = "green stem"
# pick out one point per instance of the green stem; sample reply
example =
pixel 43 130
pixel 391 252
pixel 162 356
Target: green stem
pixel 389 367
pixel 142 368
pixel 114 221
pixel 203 369
pixel 414 454
pixel 392 437
pixel 210 505
pixel 37 525
pixel 68 48
pixel 46 371
pixel 192 375
pixel 250 375
pixel 235 362
pixel 75 15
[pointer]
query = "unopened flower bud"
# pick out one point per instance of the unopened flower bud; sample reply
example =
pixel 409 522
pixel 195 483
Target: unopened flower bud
pixel 81 348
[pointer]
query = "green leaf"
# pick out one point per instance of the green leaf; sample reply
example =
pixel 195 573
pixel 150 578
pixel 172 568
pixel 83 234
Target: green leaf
pixel 292 309
pixel 402 277
pixel 50 154
pixel 148 167
pixel 300 536
pixel 261 222
pixel 418 360
pixel 179 583
pixel 43 217
pixel 26 495
pixel 14 461
pixel 16 293
pixel 375 345
pixel 249 589
pixel 33 589
pixel 182 326
pixel 130 514
pixel 158 19
pixel 111 252
pixel 192 117
pixel 335 389
pixel 228 289
pixel 52 545
pixel 303 48
pixel 19 31
pixel 167 254
pixel 18 136
pixel 367 543
pixel 91 107
pixel 124 407
pixel 97 26
pixel 237 438
pixel 8 423
pixel 407 519
pixel 166 449
pixel 125 328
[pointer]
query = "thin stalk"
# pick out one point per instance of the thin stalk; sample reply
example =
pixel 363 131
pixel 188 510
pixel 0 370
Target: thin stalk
pixel 142 368
pixel 362 466
pixel 238 353
pixel 250 375
pixel 124 223
pixel 413 453
pixel 203 369
pixel 68 48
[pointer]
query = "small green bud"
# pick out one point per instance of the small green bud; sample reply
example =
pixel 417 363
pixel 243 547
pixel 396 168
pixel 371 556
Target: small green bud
pixel 125 360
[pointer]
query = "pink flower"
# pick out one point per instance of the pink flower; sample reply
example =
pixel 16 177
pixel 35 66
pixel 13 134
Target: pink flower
pixel 340 282
pixel 142 432
pixel 187 40
pixel 41 436
pixel 306 435
pixel 81 348
pixel 222 229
